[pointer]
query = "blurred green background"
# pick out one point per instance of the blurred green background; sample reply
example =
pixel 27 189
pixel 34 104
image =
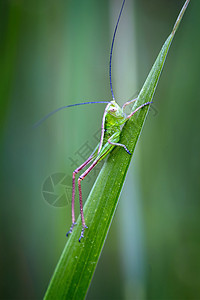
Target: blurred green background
pixel 55 53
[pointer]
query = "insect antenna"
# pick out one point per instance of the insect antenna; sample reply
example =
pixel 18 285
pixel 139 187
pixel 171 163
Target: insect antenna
pixel 110 76
pixel 62 107
pixel 111 50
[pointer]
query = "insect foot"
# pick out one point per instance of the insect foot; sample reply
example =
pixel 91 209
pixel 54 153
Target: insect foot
pixel 71 228
pixel 127 151
pixel 82 233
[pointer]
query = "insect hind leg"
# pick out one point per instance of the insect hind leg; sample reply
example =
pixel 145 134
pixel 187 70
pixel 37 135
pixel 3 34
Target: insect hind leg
pixel 90 158
pixel 80 195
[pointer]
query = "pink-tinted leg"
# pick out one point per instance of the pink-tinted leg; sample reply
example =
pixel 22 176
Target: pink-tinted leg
pixel 128 103
pixel 73 190
pixel 81 198
pixel 141 106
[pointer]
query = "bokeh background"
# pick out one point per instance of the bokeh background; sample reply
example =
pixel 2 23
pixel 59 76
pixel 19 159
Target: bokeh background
pixel 55 53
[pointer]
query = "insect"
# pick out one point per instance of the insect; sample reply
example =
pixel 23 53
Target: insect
pixel 114 118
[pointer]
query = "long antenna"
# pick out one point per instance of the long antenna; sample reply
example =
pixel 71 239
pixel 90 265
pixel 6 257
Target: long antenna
pixel 110 66
pixel 62 107
pixel 111 50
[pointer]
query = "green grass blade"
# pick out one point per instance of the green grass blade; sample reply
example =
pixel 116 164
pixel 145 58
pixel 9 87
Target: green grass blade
pixel 78 261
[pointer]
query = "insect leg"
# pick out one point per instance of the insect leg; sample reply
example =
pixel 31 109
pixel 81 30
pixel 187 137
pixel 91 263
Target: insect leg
pixel 113 140
pixel 127 103
pixel 141 106
pixel 121 145
pixel 81 198
pixel 96 161
pixel 73 189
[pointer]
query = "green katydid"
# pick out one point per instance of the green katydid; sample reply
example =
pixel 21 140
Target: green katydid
pixel 114 118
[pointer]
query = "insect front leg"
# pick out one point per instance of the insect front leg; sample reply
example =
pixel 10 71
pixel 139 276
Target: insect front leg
pixel 138 108
pixel 128 102
pixel 73 190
